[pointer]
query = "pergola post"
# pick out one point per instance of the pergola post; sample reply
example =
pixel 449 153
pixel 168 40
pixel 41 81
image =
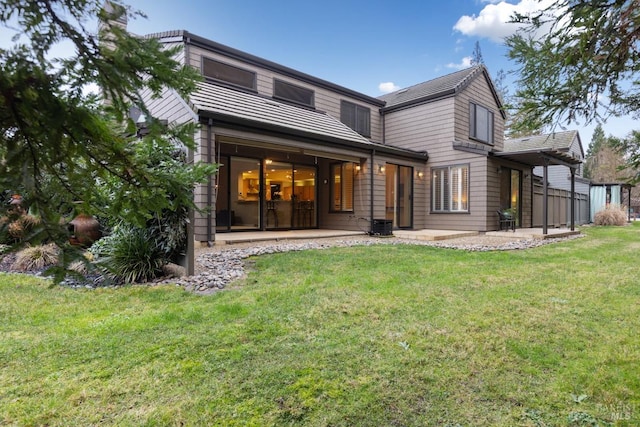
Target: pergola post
pixel 629 204
pixel 545 195
pixel 573 198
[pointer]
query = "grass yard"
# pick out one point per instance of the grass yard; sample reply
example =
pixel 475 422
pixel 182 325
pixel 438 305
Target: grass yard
pixel 363 336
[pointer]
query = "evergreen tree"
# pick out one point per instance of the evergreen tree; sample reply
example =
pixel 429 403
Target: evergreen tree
pixel 585 60
pixel 476 56
pixel 59 144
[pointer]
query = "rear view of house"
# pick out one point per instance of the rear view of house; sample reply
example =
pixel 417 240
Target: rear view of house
pixel 298 152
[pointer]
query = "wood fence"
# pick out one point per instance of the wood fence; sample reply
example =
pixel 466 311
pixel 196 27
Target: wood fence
pixel 559 207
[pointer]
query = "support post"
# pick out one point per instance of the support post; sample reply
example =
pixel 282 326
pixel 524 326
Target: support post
pixel 573 198
pixel 545 196
pixel 629 204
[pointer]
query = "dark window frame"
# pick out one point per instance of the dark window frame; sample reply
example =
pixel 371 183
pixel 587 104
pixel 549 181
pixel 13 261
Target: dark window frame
pixel 344 202
pixel 447 200
pixel 281 97
pixel 352 114
pixel 474 128
pixel 236 84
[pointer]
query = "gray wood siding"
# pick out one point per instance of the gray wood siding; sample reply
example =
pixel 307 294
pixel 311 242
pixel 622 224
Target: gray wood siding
pixel 423 127
pixel 476 218
pixel 169 105
pixel 201 191
pixel 479 92
pixel 325 100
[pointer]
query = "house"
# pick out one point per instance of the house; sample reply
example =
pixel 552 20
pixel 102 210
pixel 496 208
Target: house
pixel 300 152
pixel 559 177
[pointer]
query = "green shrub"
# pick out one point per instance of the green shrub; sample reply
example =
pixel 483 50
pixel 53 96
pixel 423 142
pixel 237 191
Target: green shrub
pixel 36 257
pixel 611 215
pixel 130 255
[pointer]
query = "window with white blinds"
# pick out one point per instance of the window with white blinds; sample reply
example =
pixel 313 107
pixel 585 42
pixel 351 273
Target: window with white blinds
pixel 450 189
pixel 342 187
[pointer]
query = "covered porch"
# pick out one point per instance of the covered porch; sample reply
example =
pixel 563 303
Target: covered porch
pixel 545 156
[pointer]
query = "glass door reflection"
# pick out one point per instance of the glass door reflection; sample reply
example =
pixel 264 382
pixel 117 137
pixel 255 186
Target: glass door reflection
pixel 278 191
pixel 304 197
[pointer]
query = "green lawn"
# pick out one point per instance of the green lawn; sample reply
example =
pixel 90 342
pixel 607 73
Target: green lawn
pixel 371 336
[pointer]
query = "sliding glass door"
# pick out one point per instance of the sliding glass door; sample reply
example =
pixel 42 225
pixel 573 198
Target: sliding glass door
pixel 290 196
pixel 399 195
pixel 238 198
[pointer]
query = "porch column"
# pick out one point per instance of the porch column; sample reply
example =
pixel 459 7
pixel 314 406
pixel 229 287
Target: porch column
pixel 629 205
pixel 573 198
pixel 545 195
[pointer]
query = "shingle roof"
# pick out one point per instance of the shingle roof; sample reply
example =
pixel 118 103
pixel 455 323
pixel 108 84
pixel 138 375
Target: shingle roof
pixel 560 141
pixel 441 86
pixel 246 107
pixel 233 106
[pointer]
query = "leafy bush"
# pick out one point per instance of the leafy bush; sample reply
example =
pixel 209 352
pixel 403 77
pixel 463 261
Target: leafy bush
pixel 36 257
pixel 611 215
pixel 130 255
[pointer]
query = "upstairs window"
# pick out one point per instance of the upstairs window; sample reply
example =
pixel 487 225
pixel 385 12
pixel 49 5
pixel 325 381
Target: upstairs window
pixel 356 117
pixel 450 189
pixel 292 93
pixel 228 74
pixel 480 123
pixel 342 187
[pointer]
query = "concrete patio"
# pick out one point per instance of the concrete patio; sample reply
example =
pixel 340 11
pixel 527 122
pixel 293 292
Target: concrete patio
pixel 261 236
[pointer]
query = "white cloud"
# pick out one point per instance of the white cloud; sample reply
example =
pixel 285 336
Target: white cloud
pixel 465 63
pixel 388 87
pixel 493 20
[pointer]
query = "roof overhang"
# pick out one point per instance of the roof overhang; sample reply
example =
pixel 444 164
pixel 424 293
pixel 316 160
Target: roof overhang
pixel 540 157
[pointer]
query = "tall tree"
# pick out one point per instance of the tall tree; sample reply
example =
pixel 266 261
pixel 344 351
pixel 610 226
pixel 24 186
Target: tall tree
pixel 598 140
pixel 476 56
pixel 604 158
pixel 59 143
pixel 584 65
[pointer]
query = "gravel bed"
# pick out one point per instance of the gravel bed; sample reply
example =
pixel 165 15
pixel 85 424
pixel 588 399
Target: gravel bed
pixel 218 266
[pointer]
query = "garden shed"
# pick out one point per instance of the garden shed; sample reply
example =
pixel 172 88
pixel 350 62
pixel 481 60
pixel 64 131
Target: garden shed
pixel 605 194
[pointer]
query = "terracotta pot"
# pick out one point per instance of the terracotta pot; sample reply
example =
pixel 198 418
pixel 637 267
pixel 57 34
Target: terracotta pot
pixel 85 230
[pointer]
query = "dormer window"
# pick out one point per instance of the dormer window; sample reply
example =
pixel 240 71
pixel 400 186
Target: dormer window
pixel 295 94
pixel 228 74
pixel 480 123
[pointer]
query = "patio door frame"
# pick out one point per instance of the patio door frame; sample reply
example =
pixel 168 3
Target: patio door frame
pixel 399 195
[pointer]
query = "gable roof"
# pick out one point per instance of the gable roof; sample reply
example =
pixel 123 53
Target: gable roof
pixel 440 87
pixel 236 107
pixel 560 141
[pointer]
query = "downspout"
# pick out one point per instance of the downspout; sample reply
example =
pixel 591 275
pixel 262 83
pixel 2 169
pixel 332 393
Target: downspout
pixel 384 128
pixel 210 184
pixel 371 170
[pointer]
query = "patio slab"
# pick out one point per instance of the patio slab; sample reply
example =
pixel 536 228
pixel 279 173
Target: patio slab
pixel 262 236
pixel 534 233
pixel 432 234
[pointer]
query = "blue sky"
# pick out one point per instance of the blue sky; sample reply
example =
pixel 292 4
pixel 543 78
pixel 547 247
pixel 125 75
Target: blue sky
pixel 363 45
